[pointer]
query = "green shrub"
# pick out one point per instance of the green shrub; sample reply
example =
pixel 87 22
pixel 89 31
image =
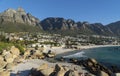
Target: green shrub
pixel 4 45
pixel 21 48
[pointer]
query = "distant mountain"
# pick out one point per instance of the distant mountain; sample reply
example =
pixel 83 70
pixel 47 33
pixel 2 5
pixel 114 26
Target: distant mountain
pixel 17 20
pixel 61 24
pixel 114 27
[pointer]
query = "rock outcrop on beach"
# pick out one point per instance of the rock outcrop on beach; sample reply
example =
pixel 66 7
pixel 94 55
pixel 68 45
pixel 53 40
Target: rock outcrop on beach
pixel 95 67
pixel 5 73
pixel 7 60
pixel 57 70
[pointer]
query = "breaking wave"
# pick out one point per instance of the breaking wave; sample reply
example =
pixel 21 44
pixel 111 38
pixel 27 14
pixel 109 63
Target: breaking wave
pixel 76 55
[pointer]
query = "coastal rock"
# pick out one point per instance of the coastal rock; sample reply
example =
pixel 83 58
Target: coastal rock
pixel 50 54
pixel 60 71
pixel 71 73
pixel 47 72
pixel 9 66
pixel 1 58
pixel 43 66
pixel 117 74
pixel 5 73
pixel 93 61
pixel 102 73
pixel 26 54
pixel 15 51
pixel 38 54
pixel 94 67
pixel 9 60
pixel 58 67
pixel 18 59
pixel 35 72
pixel 2 64
pixel 5 52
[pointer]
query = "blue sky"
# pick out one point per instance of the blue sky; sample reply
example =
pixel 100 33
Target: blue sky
pixel 104 11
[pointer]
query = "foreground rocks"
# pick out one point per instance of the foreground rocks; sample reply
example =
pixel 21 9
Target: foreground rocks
pixel 7 60
pixel 57 70
pixel 5 73
pixel 94 67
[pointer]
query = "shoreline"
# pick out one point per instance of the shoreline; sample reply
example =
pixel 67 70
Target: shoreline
pixel 61 50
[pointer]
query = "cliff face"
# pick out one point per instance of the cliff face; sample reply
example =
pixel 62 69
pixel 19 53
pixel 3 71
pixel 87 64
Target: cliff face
pixel 58 24
pixel 18 16
pixel 62 24
pixel 18 21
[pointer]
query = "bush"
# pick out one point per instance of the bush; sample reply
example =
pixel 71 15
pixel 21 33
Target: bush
pixel 4 45
pixel 21 48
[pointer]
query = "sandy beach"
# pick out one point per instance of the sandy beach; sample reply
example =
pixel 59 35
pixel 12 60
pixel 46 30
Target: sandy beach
pixel 60 50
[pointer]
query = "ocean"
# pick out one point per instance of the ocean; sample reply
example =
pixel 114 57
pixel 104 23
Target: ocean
pixel 105 55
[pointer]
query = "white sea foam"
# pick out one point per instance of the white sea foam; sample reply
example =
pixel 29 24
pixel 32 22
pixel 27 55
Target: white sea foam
pixel 76 55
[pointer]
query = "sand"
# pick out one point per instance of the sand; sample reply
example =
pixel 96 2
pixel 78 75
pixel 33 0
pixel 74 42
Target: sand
pixel 60 50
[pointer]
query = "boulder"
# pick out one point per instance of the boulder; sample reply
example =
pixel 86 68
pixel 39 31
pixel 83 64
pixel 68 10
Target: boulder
pixel 1 58
pixel 18 59
pixel 35 72
pixel 117 74
pixel 47 72
pixel 5 52
pixel 102 73
pixel 9 66
pixel 2 64
pixel 71 73
pixel 58 67
pixel 43 66
pixel 90 64
pixel 15 51
pixel 5 73
pixel 9 60
pixel 93 61
pixel 60 71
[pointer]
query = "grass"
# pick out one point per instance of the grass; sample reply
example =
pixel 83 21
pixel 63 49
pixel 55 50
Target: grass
pixel 4 45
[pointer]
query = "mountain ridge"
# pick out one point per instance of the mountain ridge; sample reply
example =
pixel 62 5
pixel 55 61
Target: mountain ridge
pixel 17 18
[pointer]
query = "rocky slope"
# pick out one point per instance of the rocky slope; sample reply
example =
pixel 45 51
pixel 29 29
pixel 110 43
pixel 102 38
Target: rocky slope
pixel 115 27
pixel 18 20
pixel 62 24
pixel 18 16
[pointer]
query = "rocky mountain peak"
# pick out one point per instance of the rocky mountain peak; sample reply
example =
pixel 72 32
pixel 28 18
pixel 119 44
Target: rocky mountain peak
pixel 21 10
pixel 18 16
pixel 9 10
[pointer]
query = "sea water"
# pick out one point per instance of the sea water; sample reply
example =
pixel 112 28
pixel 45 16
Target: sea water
pixel 105 55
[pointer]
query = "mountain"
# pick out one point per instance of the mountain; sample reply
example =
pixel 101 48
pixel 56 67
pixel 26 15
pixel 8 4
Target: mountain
pixel 18 20
pixel 114 27
pixel 69 25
